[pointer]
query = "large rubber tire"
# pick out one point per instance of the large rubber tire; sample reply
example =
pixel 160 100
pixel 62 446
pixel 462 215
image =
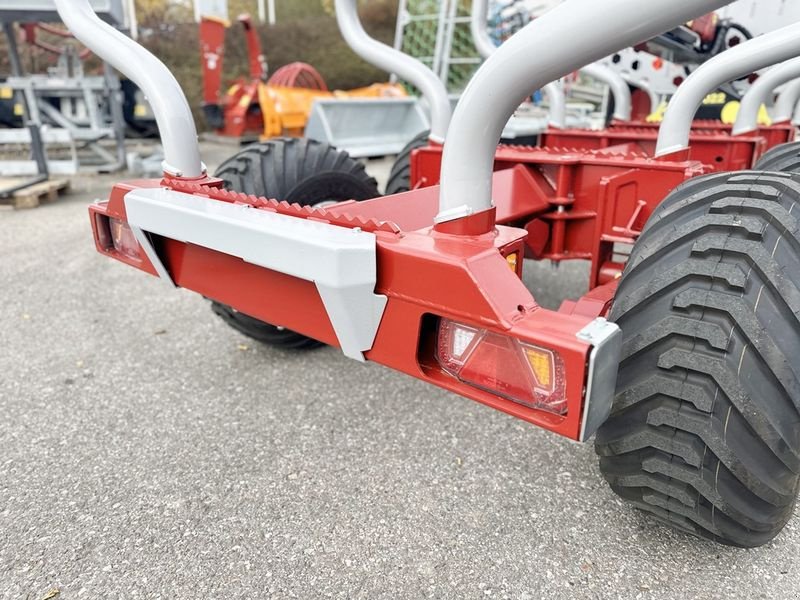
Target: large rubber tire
pixel 705 429
pixel 784 158
pixel 400 176
pixel 302 171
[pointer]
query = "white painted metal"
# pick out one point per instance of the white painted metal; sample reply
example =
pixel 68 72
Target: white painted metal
pixel 152 255
pixel 266 11
pixel 741 60
pixel 367 128
pixel 557 103
pixel 787 102
pixel 49 136
pixel 654 75
pixel 565 39
pixel 479 28
pixel 623 105
pixel 173 115
pixel 210 8
pixel 647 88
pixel 393 61
pixel 486 47
pixel 133 20
pixel 449 19
pixel 763 16
pixel 760 92
pixel 606 339
pixel 341 262
pixel 27 11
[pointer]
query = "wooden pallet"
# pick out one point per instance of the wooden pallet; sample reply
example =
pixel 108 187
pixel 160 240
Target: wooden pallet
pixel 32 196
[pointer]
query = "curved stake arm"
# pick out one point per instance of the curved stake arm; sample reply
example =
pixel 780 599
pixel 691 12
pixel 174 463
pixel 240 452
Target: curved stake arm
pixel 486 47
pixel 394 61
pixel 741 60
pixel 787 103
pixel 555 94
pixel 171 109
pixel 561 41
pixel 759 93
pixel 647 88
pixel 623 103
pixel 557 100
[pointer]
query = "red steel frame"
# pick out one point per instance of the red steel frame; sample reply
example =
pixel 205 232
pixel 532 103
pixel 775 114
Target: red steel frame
pixel 774 134
pixel 550 204
pixel 711 142
pixel 239 105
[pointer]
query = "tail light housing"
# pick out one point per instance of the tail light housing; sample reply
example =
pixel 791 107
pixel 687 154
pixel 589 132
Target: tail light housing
pixel 117 235
pixel 513 369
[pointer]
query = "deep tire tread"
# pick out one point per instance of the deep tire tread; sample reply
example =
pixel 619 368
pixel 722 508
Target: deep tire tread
pixel 784 158
pixel 400 175
pixel 705 430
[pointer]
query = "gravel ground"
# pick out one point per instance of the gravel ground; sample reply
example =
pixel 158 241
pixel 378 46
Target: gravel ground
pixel 148 451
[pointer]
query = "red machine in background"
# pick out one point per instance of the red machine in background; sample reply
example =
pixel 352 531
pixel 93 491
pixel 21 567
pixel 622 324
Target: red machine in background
pixel 235 112
pixel 264 105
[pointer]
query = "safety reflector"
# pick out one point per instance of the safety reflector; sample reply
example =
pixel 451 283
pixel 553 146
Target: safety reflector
pixel 502 365
pixel 123 239
pixel 513 261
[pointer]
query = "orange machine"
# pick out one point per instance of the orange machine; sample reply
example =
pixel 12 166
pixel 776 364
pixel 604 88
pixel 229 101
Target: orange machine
pixel 265 106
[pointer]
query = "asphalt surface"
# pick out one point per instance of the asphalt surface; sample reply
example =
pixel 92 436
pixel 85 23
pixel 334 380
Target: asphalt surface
pixel 148 451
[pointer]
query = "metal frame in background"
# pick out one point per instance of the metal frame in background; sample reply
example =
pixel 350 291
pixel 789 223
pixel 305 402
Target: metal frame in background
pixel 29 11
pixel 739 61
pixel 37 148
pixel 447 20
pixel 91 106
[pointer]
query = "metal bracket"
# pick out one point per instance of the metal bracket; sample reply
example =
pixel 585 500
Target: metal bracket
pixel 606 339
pixel 341 262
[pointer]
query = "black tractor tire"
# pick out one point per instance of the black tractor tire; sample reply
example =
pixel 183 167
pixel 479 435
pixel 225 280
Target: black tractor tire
pixel 783 159
pixel 705 429
pixel 400 175
pixel 298 171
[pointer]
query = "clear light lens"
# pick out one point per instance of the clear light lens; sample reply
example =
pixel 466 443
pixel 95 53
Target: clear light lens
pixel 123 239
pixel 502 365
pixel 461 341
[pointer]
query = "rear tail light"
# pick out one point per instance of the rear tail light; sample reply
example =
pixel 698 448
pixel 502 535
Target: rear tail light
pixel 502 365
pixel 122 239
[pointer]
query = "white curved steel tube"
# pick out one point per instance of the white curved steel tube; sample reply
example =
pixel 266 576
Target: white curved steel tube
pixel 787 102
pixel 394 61
pixel 171 109
pixel 645 86
pixel 741 60
pixel 557 100
pixel 557 117
pixel 759 93
pixel 554 45
pixel 480 30
pixel 623 103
